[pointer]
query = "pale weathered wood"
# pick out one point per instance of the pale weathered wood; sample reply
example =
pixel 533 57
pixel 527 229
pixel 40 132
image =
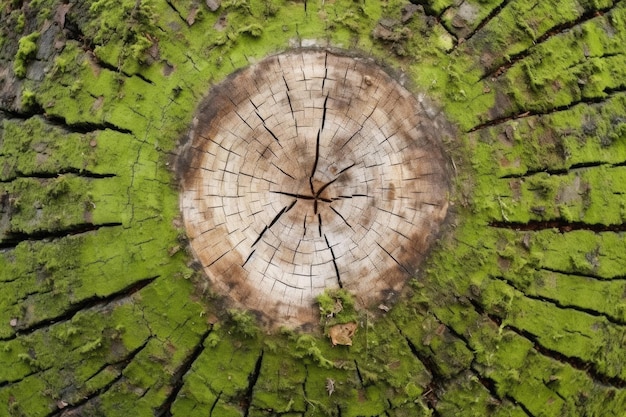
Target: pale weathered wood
pixel 312 170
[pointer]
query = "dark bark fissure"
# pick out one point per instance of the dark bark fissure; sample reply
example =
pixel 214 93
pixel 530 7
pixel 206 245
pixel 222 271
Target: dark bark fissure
pixel 87 303
pixel 561 225
pixel 435 388
pixel 217 399
pixel 609 92
pixel 564 171
pixel 12 239
pixel 83 173
pixel 577 363
pixel 123 364
pixel 177 381
pixel 556 30
pixel 60 122
pixel 117 70
pixel 560 305
pixel 23 377
pixel 583 275
pixel 246 401
pixel 176 11
pixel 358 373
pixel 495 12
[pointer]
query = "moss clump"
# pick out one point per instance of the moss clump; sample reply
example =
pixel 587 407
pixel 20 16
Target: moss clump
pixel 27 47
pixel 243 323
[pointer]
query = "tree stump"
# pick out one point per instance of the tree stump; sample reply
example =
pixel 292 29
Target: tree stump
pixel 118 149
pixel 312 170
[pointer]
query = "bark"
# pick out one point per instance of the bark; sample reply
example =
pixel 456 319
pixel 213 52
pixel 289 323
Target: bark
pixel 106 310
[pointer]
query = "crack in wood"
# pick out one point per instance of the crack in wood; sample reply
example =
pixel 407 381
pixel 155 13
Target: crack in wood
pixel 177 380
pixel 332 253
pixel 492 15
pixel 125 362
pixel 564 171
pixel 582 275
pixel 554 31
pixel 85 304
pixel 82 173
pixel 580 364
pixel 561 225
pixel 562 306
pixel 217 399
pixel 246 401
pixel 60 122
pixel 327 124
pixel 315 161
pixel 12 239
pixel 609 93
pixel 395 260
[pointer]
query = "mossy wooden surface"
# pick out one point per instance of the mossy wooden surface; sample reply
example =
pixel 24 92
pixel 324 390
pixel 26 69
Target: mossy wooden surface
pixel 520 311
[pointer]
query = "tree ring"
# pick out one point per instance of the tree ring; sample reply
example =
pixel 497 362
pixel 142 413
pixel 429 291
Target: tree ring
pixel 312 170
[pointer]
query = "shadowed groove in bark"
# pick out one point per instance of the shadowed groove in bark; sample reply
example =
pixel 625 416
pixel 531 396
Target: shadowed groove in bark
pixel 609 93
pixel 177 380
pixel 560 305
pixel 60 122
pixel 492 15
pixel 583 274
pixel 562 226
pixel 83 173
pixel 12 239
pixel 564 171
pixel 122 364
pixel 554 31
pixel 87 303
pixel 246 401
pixel 576 363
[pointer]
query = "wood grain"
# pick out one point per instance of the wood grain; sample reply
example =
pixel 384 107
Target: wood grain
pixel 312 170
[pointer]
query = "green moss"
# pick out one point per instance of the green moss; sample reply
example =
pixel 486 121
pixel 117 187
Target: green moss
pixel 27 47
pixel 124 114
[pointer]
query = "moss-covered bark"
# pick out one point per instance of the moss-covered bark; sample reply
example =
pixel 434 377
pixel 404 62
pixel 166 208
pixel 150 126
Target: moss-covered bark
pixel 520 311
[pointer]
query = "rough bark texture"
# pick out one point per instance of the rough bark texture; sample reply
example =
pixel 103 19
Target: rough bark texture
pixel 519 311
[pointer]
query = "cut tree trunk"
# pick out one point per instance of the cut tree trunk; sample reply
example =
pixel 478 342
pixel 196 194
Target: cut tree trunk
pixel 137 153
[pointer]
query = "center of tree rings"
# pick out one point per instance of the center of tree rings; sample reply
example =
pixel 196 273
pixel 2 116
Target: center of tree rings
pixel 309 171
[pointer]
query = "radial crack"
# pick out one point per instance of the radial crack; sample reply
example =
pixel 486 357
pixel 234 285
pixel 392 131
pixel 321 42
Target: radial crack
pixel 273 222
pixel 87 303
pixel 555 30
pixel 332 253
pixel 580 364
pixel 395 260
pixel 562 226
pixel 609 92
pixel 45 175
pixel 488 18
pixel 177 380
pixel 341 217
pixel 252 380
pixel 562 306
pixel 317 157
